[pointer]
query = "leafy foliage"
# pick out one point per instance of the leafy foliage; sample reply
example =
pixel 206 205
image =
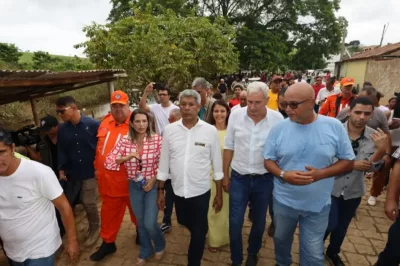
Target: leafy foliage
pixel 164 48
pixel 267 30
pixel 9 53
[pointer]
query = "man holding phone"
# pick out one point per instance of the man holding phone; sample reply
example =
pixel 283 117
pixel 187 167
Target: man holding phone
pixel 160 111
pixel 369 147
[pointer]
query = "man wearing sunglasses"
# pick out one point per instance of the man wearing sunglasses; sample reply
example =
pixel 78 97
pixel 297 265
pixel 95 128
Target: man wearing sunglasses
pixel 76 151
pixel 300 152
pixel 369 146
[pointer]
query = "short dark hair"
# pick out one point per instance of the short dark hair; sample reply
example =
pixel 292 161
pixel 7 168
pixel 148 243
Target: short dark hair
pixel 379 95
pixel 318 77
pixel 332 80
pixel 165 89
pixel 370 90
pixel 65 101
pixel 217 96
pixel 367 83
pixel 363 101
pixel 224 104
pixel 5 137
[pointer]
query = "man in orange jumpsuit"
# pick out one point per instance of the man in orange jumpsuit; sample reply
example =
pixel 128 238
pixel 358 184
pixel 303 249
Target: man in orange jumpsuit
pixel 335 103
pixel 113 185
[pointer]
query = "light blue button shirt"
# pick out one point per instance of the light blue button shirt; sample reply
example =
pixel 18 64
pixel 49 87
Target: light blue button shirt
pixel 294 146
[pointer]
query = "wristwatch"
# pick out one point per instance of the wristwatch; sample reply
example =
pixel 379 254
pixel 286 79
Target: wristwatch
pixel 281 177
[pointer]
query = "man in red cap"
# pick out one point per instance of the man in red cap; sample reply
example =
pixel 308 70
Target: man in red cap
pixel 274 89
pixel 335 103
pixel 113 185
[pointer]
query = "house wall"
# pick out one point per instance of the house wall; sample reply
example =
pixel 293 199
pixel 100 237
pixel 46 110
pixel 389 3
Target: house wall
pixel 385 76
pixel 356 70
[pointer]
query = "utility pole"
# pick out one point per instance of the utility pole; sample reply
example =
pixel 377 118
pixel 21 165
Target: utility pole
pixel 383 33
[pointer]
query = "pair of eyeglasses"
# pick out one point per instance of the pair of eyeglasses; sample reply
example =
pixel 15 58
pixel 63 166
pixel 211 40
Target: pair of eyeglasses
pixel 355 144
pixel 63 110
pixel 162 94
pixel 292 105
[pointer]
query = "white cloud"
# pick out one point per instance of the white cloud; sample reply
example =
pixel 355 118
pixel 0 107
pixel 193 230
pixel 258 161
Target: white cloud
pixel 367 17
pixel 48 25
pixel 55 26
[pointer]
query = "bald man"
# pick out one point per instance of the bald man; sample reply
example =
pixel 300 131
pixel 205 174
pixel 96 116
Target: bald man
pixel 243 101
pixel 300 152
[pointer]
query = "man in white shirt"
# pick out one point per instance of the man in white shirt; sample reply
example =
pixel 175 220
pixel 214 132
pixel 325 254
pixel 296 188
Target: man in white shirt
pixel 190 147
pixel 327 91
pixel 160 111
pixel 248 127
pixel 243 101
pixel 28 224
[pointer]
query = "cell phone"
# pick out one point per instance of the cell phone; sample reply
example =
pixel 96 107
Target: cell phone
pixel 158 86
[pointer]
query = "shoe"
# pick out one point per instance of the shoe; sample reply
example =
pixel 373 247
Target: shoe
pixel 140 262
pixel 137 238
pixel 104 250
pixel 252 260
pixel 166 228
pixel 335 260
pixel 93 235
pixel 271 230
pixel 371 201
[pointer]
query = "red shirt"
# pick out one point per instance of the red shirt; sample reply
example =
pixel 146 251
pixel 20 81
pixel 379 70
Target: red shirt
pixel 317 88
pixel 233 102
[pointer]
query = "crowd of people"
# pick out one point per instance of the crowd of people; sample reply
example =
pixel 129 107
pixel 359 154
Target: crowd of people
pixel 300 151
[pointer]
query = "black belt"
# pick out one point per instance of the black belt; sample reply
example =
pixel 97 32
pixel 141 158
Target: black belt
pixel 255 175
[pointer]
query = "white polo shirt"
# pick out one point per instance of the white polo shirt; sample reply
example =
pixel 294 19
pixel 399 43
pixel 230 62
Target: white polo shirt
pixel 28 224
pixel 189 154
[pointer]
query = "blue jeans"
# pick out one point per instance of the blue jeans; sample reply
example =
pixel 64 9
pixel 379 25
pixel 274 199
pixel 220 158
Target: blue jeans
pixel 390 256
pixel 48 261
pixel 144 205
pixel 312 229
pixel 342 211
pixel 242 188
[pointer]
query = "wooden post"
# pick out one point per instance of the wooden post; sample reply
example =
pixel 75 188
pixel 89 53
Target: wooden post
pixel 34 112
pixel 111 87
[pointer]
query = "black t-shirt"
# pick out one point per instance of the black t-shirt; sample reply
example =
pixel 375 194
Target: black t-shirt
pixel 222 87
pixel 53 153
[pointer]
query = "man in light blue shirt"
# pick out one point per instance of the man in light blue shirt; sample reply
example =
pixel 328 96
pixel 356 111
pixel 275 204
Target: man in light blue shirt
pixel 301 152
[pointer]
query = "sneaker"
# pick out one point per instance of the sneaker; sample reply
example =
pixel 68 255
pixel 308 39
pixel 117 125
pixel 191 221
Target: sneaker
pixel 104 250
pixel 166 228
pixel 252 260
pixel 335 260
pixel 372 201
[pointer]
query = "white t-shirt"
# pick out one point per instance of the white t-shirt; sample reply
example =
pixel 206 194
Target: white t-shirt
pixel 161 115
pixel 237 106
pixel 383 108
pixel 28 225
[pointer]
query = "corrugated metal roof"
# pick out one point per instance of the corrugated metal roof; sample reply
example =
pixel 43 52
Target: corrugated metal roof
pixel 22 85
pixel 377 52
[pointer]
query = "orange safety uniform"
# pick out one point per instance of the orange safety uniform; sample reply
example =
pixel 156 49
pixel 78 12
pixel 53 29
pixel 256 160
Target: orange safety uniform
pixel 334 104
pixel 113 185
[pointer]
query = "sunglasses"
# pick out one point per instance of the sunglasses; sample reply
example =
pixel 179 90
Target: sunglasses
pixel 355 144
pixel 292 105
pixel 63 110
pixel 140 164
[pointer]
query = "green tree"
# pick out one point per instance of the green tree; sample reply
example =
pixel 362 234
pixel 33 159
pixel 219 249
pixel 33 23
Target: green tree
pixel 42 60
pixel 166 47
pixel 9 53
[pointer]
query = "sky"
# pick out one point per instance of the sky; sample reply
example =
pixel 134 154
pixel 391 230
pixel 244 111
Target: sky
pixel 56 26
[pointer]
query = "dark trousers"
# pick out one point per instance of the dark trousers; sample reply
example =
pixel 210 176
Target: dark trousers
pixel 340 215
pixel 390 256
pixel 169 202
pixel 192 213
pixel 242 189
